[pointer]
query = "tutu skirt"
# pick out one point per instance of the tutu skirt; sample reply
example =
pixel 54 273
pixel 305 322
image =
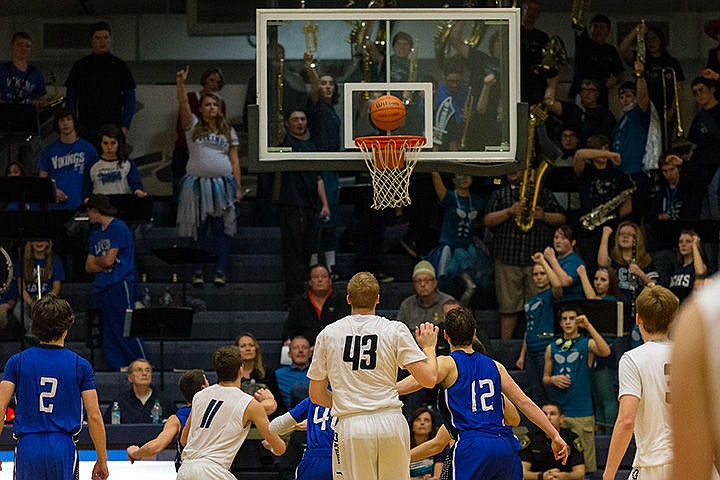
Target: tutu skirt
pixel 202 197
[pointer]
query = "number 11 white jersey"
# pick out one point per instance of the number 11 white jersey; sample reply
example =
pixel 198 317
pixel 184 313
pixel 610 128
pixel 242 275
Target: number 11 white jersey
pixel 360 356
pixel 216 429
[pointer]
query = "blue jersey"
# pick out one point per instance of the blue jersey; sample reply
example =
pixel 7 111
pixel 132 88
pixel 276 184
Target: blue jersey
pixel 48 382
pixel 116 235
pixel 539 322
pixel 475 399
pixel 320 425
pixel 570 357
pixel 182 414
pixel 68 164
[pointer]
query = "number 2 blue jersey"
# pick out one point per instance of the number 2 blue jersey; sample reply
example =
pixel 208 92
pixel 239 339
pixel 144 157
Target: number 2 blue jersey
pixel 320 425
pixel 475 400
pixel 48 382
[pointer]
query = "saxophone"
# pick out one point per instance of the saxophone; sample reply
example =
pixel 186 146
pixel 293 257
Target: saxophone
pixel 529 189
pixel 605 212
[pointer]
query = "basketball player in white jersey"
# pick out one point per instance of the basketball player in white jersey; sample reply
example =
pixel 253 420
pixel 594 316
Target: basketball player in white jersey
pixel 695 386
pixel 644 374
pixel 220 420
pixel 360 355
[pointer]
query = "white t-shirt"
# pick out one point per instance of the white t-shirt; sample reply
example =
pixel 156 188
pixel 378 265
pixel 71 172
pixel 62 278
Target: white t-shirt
pixel 709 304
pixel 644 372
pixel 208 155
pixel 110 177
pixel 360 356
pixel 216 428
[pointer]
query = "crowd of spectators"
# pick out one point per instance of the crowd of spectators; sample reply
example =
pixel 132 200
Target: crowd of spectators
pixel 632 180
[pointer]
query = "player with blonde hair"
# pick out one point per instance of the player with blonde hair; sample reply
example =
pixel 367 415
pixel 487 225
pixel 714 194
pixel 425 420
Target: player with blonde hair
pixel 360 356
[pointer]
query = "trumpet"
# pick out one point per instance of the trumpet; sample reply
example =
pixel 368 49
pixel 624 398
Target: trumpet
pixel 467 116
pixel 580 9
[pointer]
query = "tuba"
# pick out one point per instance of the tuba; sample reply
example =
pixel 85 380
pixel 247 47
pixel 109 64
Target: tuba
pixel 530 189
pixel 554 57
pixel 443 34
pixel 580 10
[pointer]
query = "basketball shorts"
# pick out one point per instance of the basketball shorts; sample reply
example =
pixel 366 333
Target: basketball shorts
pixel 50 456
pixel 661 472
pixel 314 467
pixel 489 458
pixel 205 469
pixel 372 447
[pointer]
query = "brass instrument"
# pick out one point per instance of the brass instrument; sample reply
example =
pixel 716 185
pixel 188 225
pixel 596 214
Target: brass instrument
pixel 640 43
pixel 6 270
pixel 310 29
pixel 467 116
pixel 444 32
pixel 412 71
pixel 679 137
pixel 580 10
pixel 605 212
pixel 554 57
pixel 526 217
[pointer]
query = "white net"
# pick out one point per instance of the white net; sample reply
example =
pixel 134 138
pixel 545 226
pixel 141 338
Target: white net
pixel 390 161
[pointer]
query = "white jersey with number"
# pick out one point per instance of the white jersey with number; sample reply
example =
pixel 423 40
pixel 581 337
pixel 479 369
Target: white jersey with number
pixel 360 356
pixel 708 301
pixel 216 427
pixel 644 372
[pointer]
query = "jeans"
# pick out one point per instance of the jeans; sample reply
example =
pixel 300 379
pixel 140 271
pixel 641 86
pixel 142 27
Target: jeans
pixel 218 242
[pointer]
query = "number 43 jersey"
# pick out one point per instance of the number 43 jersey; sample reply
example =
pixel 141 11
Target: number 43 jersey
pixel 360 356
pixel 216 427
pixel 48 380
pixel 475 399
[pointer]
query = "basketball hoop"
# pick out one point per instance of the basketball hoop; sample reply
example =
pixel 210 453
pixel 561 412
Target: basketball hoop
pixel 390 161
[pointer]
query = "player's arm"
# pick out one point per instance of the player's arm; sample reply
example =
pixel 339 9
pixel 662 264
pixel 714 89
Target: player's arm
pixel 410 384
pixel 431 447
pixel 319 392
pixel 256 414
pixel 185 431
pixel 157 444
pixel 533 412
pixel 690 409
pixel 622 433
pixel 6 392
pixel 95 264
pixel 283 424
pixel 96 428
pixel 425 371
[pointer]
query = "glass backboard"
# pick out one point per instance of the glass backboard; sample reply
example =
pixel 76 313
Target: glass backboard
pixel 457 71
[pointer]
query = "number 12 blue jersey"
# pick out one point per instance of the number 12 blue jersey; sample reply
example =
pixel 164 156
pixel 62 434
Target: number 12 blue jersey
pixel 48 382
pixel 475 400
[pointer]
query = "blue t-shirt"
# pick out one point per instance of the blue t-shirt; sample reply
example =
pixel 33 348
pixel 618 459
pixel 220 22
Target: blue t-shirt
pixel 17 86
pixel 630 137
pixel 569 263
pixel 475 399
pixel 320 426
pixel 289 376
pixel 116 235
pixel 49 381
pixel 539 322
pixel 67 164
pixel 570 357
pixel 58 275
pixel 460 215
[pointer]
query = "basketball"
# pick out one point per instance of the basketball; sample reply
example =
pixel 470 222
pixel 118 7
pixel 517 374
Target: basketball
pixel 387 113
